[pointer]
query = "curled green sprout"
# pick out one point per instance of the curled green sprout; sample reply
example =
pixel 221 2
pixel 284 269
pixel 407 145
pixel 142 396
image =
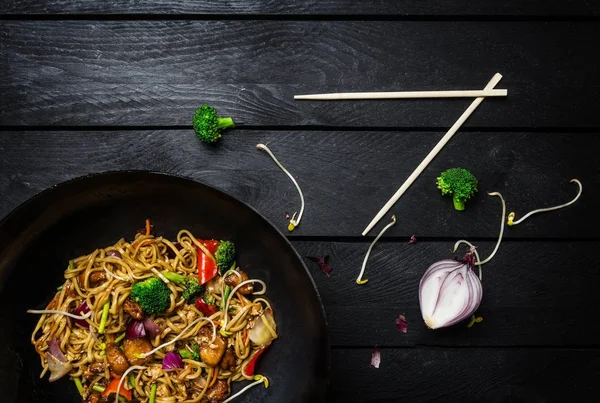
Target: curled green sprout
pixel 258 379
pixel 511 216
pixel 480 263
pixel 296 217
pixel 359 279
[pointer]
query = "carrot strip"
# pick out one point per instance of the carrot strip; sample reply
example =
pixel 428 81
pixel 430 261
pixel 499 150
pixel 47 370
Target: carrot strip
pixel 216 373
pixel 148 228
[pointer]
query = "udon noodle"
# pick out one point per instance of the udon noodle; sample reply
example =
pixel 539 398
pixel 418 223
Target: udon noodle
pixel 115 345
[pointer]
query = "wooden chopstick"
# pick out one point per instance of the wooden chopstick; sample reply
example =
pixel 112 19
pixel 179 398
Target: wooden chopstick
pixel 497 77
pixel 405 95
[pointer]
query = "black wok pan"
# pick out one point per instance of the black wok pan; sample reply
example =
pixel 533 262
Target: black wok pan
pixel 74 218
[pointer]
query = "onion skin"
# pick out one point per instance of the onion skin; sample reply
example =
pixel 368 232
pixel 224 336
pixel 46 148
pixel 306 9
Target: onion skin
pixel 57 362
pixel 449 292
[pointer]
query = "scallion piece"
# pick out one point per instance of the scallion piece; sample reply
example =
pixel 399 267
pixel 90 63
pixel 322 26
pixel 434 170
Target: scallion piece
pixel 225 297
pixel 78 385
pixel 104 317
pixel 153 393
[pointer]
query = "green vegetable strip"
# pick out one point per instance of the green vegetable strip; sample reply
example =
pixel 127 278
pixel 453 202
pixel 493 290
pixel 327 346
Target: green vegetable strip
pixel 132 380
pixel 71 265
pixel 225 297
pixel 121 337
pixel 185 354
pixel 78 385
pixel 153 393
pixel 100 389
pixel 104 317
pixel 59 288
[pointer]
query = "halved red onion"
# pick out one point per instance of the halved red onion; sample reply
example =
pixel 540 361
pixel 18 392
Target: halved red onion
pixel 82 310
pixel 151 328
pixel 57 362
pixel 135 330
pixel 172 361
pixel 449 293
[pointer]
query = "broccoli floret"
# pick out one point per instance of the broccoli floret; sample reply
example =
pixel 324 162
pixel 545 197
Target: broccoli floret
pixel 208 125
pixel 224 255
pixel 459 183
pixel 194 354
pixel 209 299
pixel 195 351
pixel 152 294
pixel 191 288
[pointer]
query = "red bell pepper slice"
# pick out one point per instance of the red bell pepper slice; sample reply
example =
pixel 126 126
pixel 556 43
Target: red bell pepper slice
pixel 111 388
pixel 249 370
pixel 205 308
pixel 211 245
pixel 207 267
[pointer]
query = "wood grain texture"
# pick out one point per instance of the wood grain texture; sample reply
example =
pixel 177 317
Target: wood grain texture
pixel 154 73
pixel 466 375
pixel 304 8
pixel 345 176
pixel 535 294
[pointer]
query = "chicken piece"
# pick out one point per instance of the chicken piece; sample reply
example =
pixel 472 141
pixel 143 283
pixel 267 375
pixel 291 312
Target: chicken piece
pixel 94 368
pixel 211 354
pixel 234 280
pixel 134 348
pixel 117 361
pixel 228 361
pixel 218 392
pixel 94 279
pixel 133 308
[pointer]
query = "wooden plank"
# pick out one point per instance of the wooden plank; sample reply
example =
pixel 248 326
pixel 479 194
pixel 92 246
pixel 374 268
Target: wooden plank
pixel 465 375
pixel 346 176
pixel 154 73
pixel 385 8
pixel 535 294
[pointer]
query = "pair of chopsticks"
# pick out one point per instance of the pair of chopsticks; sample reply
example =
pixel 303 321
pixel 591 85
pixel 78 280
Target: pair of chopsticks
pixel 488 91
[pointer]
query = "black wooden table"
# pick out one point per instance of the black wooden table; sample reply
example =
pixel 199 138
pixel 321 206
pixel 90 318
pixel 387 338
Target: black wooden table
pixel 88 87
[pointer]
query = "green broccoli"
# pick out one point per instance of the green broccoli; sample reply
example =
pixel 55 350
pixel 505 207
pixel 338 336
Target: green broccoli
pixel 194 354
pixel 209 299
pixel 191 288
pixel 459 183
pixel 224 255
pixel 152 294
pixel 208 125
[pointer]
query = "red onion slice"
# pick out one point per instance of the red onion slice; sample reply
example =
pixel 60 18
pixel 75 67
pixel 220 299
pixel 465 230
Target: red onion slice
pixel 135 330
pixel 57 362
pixel 82 310
pixel 172 361
pixel 449 293
pixel 151 328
